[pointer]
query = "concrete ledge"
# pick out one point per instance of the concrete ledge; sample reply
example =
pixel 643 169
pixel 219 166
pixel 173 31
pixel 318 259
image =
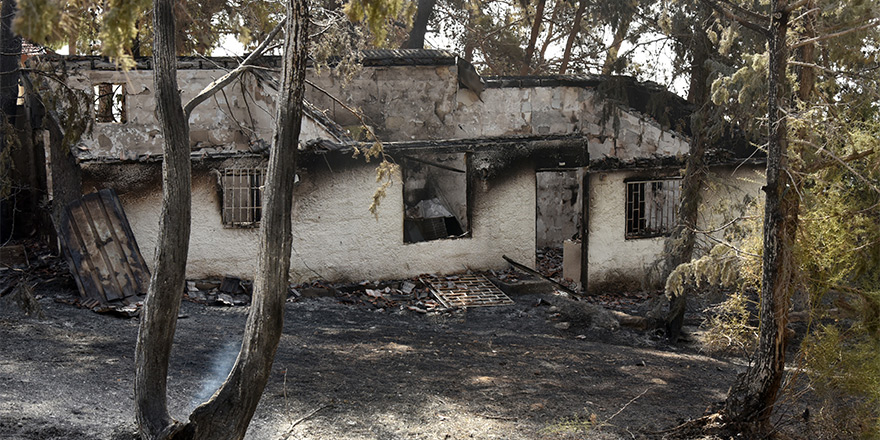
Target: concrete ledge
pixel 524 287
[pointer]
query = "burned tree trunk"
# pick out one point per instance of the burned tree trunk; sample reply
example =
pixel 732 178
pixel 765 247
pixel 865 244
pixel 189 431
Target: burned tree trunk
pixel 159 317
pixel 228 413
pixel 752 398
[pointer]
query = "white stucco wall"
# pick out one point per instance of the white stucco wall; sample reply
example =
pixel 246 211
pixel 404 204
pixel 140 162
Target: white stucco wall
pixel 617 263
pixel 336 236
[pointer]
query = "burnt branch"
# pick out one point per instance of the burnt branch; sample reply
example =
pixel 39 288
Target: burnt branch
pixel 229 77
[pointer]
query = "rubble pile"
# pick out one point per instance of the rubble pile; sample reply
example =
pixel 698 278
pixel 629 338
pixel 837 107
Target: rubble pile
pixel 414 294
pixel 33 263
pixel 548 262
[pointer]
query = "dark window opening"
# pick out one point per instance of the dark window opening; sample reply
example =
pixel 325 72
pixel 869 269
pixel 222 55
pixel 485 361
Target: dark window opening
pixel 242 197
pixel 435 193
pixel 110 103
pixel 651 207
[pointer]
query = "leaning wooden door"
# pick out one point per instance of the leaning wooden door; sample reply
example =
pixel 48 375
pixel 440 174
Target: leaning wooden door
pixel 101 250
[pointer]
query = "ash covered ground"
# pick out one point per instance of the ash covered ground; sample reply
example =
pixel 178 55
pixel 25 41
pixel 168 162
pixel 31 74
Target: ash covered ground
pixel 352 365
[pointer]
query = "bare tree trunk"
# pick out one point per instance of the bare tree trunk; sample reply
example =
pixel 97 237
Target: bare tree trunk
pixel 469 43
pixel 65 171
pixel 159 316
pixel 533 38
pixel 63 168
pixel 752 398
pixel 228 413
pixel 416 38
pixel 71 45
pixel 575 29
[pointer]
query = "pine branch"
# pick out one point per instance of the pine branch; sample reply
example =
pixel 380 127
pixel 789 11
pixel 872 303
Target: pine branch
pixel 870 23
pixel 796 5
pixel 844 162
pixel 751 20
pixel 232 75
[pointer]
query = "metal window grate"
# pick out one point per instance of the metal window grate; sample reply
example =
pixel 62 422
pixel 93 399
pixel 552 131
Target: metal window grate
pixel 242 196
pixel 651 207
pixel 466 291
pixel 110 103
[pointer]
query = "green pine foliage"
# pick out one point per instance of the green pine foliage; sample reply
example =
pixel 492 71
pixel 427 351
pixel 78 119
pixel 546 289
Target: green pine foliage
pixel 831 103
pixel 843 361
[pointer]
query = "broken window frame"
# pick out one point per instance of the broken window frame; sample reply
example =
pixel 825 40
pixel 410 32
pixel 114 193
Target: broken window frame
pixel 654 217
pixel 109 103
pixel 420 159
pixel 241 204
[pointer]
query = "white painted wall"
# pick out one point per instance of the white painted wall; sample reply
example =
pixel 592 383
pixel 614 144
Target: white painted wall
pixel 334 233
pixel 336 236
pixel 617 263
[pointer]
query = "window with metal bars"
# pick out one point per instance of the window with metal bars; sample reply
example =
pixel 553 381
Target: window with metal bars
pixel 242 196
pixel 110 103
pixel 651 207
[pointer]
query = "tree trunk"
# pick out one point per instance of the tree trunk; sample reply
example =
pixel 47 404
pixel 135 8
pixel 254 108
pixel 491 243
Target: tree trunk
pixel 10 55
pixel 416 38
pixel 752 398
pixel 575 29
pixel 65 171
pixel 549 39
pixel 614 49
pixel 227 414
pixel 469 43
pixel 533 38
pixel 680 244
pixel 159 316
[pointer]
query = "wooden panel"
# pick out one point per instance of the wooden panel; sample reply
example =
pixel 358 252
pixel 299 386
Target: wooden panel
pixel 137 273
pixel 101 251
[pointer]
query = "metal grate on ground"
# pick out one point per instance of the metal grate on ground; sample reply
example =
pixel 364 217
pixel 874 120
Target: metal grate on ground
pixel 466 291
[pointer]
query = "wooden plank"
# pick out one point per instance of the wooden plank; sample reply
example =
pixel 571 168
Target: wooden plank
pixel 136 265
pixel 101 250
pixel 119 282
pixel 91 245
pixel 73 243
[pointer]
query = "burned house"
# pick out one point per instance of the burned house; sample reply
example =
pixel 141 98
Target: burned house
pixel 501 168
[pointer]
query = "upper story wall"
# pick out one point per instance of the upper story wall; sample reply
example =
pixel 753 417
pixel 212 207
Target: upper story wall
pixel 401 100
